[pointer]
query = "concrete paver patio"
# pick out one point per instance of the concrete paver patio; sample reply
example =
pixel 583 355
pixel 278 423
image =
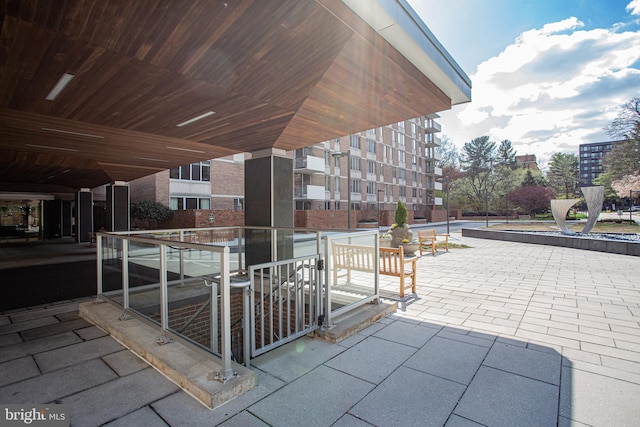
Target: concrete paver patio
pixel 502 334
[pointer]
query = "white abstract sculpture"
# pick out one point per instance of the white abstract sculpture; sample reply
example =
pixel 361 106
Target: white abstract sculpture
pixel 594 196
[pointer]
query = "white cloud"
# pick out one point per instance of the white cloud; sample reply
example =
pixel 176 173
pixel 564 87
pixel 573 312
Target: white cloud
pixel 552 89
pixel 634 7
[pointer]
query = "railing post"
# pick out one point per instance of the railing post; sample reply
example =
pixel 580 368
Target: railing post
pixel 214 316
pixel 320 275
pixel 376 263
pixel 99 255
pixel 164 297
pixel 246 333
pixel 328 322
pixel 181 254
pixel 125 279
pixel 225 315
pixel 241 266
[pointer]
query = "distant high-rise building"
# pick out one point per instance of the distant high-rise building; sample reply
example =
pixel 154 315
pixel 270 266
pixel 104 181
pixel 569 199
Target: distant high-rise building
pixel 591 156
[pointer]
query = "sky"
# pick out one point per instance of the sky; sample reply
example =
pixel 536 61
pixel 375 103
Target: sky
pixel 547 75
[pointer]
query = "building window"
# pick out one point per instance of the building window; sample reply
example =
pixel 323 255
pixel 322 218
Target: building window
pixel 184 202
pixel 238 204
pixel 371 167
pixel 355 186
pixel 355 163
pixel 336 186
pixel 194 172
pixel 371 146
pixel 371 187
pixel 355 141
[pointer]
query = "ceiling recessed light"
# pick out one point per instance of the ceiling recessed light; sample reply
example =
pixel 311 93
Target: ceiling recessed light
pixel 186 149
pixel 73 133
pixel 201 116
pixel 48 147
pixel 152 159
pixel 62 83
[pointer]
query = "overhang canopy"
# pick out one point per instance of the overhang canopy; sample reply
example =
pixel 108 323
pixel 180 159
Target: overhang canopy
pixel 263 74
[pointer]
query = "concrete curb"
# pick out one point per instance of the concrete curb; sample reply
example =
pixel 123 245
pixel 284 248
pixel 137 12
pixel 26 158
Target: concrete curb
pixel 609 246
pixel 191 370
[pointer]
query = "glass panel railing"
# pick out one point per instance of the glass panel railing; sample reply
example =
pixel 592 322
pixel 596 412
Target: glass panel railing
pixel 143 276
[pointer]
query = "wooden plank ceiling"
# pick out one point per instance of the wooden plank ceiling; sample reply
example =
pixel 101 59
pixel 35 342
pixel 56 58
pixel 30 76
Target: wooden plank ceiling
pixel 278 74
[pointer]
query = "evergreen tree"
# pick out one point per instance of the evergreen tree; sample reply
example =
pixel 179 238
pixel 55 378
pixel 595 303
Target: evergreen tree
pixel 477 160
pixel 563 174
pixel 506 154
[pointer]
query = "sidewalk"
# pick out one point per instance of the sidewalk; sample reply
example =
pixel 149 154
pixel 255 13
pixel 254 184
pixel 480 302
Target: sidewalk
pixel 503 334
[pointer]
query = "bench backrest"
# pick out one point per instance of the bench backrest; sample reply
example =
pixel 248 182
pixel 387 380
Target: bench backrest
pixel 353 257
pixel 427 234
pixel 392 261
pixel 362 258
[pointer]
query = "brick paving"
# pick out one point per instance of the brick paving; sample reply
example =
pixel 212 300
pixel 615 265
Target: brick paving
pixel 501 334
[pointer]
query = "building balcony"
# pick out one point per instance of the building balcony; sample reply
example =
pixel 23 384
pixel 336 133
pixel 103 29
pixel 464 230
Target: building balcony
pixel 309 192
pixel 309 164
pixel 433 170
pixel 432 126
pixel 437 201
pixel 437 186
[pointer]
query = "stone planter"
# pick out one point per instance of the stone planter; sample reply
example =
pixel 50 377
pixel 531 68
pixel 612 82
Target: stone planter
pixel 400 234
pixel 411 249
pixel 384 243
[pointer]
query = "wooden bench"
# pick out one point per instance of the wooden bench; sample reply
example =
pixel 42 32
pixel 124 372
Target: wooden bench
pixel 361 258
pixel 430 239
pixel 393 263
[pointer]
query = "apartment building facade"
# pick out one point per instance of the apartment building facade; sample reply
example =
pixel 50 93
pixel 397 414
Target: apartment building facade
pixel 379 167
pixel 591 156
pixel 210 184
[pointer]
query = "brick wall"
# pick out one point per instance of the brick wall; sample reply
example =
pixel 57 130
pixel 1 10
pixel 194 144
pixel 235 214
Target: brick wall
pixel 151 187
pixel 198 218
pixel 227 183
pixel 199 329
pixel 337 219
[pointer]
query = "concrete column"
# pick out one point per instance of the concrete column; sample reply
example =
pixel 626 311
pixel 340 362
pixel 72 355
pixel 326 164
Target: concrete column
pixel 268 180
pixel 84 215
pixel 118 207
